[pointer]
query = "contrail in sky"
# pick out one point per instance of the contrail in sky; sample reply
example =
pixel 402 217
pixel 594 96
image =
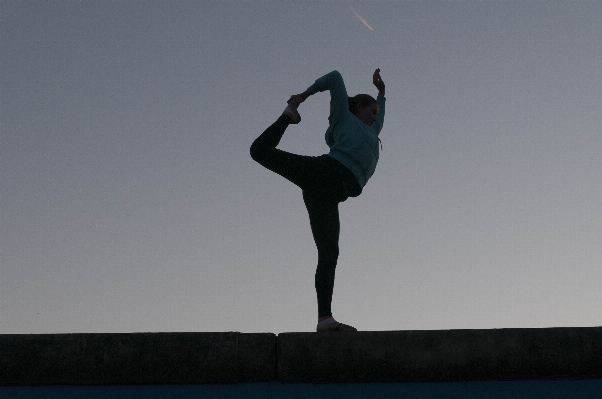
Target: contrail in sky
pixel 361 19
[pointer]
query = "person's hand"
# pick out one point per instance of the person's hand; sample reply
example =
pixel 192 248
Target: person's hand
pixel 298 98
pixel 378 82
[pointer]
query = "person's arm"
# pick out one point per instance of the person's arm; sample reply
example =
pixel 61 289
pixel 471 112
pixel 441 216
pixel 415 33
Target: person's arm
pixel 380 85
pixel 380 118
pixel 378 82
pixel 339 101
pixel 298 98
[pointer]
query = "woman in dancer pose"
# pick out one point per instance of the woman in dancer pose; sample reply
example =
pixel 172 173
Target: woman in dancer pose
pixel 326 180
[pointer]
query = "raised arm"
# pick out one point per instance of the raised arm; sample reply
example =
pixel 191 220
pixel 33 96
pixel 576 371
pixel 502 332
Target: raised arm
pixel 380 85
pixel 339 101
pixel 378 82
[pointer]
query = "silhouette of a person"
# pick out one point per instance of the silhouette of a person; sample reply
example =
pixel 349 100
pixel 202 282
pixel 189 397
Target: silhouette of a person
pixel 326 180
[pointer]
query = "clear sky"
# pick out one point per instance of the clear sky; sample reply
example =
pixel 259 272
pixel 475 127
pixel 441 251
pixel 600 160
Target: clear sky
pixel 129 201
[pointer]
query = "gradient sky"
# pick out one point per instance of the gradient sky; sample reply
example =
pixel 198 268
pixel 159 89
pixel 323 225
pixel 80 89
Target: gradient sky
pixel 129 201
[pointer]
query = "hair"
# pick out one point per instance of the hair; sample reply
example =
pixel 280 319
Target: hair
pixel 360 101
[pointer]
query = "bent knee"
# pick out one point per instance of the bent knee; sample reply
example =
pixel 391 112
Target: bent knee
pixel 255 151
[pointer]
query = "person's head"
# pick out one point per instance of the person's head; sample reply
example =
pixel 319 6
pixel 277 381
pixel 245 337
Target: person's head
pixel 364 107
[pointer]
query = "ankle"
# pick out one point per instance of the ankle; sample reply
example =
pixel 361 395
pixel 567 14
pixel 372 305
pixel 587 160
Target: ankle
pixel 292 113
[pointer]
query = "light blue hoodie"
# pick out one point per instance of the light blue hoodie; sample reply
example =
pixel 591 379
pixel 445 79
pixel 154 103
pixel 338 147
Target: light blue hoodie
pixel 352 142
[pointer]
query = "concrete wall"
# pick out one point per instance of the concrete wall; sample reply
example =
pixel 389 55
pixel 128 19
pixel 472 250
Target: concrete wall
pixel 350 357
pixel 141 358
pixel 452 355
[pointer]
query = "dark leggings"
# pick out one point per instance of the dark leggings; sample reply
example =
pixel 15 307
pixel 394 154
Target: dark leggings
pixel 325 182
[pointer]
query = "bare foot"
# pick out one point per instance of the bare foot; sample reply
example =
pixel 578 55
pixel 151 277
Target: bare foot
pixel 291 112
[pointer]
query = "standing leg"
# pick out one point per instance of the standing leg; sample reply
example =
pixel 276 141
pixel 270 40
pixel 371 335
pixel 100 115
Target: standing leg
pixel 325 227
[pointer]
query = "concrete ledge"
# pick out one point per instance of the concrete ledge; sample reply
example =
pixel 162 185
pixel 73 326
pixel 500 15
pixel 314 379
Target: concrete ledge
pixel 350 357
pixel 141 358
pixel 441 356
